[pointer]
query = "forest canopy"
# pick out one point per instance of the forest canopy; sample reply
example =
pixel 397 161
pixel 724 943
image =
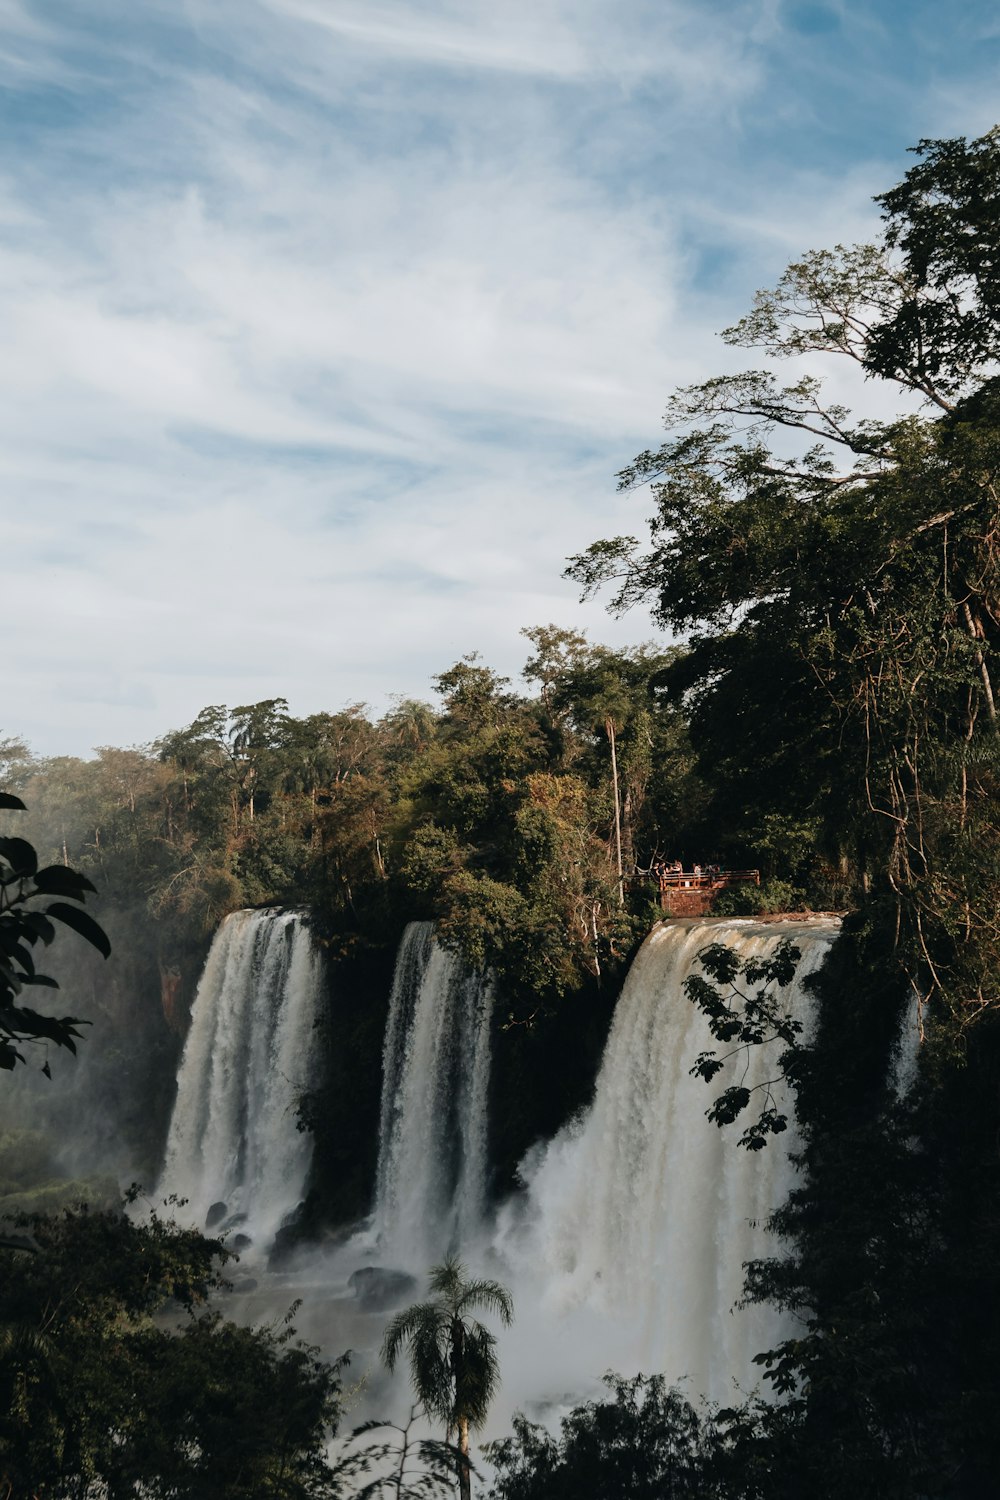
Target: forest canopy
pixel 492 813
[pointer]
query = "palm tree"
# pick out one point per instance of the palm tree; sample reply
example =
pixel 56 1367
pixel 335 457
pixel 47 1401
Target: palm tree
pixel 453 1364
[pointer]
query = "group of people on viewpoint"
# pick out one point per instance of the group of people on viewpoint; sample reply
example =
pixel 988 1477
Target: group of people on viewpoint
pixel 675 867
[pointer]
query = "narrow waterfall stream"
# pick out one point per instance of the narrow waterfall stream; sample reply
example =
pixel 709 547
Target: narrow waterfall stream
pixel 431 1182
pixel 249 1054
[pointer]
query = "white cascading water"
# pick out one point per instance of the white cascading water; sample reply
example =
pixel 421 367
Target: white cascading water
pixel 904 1064
pixel 640 1215
pixel 432 1163
pixel 249 1055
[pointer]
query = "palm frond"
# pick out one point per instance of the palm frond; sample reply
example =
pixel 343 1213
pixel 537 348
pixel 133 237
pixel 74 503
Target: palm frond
pixel 448 1279
pixel 430 1370
pixel 489 1295
pixel 480 1376
pixel 403 1327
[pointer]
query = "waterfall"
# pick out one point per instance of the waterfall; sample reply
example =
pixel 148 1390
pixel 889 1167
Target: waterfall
pixel 248 1057
pixel 625 1249
pixel 904 1063
pixel 432 1163
pixel 641 1213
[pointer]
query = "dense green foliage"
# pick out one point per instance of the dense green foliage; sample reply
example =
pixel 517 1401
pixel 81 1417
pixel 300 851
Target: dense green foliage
pixel 494 814
pixel 644 1443
pixel 101 1395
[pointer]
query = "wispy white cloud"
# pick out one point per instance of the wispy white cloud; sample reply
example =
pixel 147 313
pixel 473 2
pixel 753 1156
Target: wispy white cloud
pixel 327 325
pixel 513 38
pixel 562 40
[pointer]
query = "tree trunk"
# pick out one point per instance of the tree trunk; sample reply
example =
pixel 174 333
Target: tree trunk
pixel 977 635
pixel 609 725
pixel 464 1468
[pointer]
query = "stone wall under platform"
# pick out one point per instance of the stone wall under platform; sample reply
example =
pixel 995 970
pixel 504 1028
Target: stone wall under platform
pixel 681 901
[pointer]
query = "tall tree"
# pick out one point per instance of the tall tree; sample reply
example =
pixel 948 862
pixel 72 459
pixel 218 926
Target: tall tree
pixel 452 1356
pixel 256 732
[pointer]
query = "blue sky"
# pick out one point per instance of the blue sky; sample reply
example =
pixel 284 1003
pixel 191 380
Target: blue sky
pixel 327 323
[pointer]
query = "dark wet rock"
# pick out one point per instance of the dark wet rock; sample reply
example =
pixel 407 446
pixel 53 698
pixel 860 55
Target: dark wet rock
pixel 377 1287
pixel 240 1242
pixel 287 1240
pixel 215 1215
pixel 293 1218
pixel 233 1222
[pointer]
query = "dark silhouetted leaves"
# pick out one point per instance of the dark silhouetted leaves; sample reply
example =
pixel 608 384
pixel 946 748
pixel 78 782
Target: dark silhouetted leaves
pixel 22 926
pixel 60 880
pixel 81 923
pixel 741 1017
pixel 20 855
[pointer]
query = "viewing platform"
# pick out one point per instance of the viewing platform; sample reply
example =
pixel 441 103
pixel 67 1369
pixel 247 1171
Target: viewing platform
pixel 690 893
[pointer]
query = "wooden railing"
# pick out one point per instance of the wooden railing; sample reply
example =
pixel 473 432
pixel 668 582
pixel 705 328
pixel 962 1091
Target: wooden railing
pixel 705 879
